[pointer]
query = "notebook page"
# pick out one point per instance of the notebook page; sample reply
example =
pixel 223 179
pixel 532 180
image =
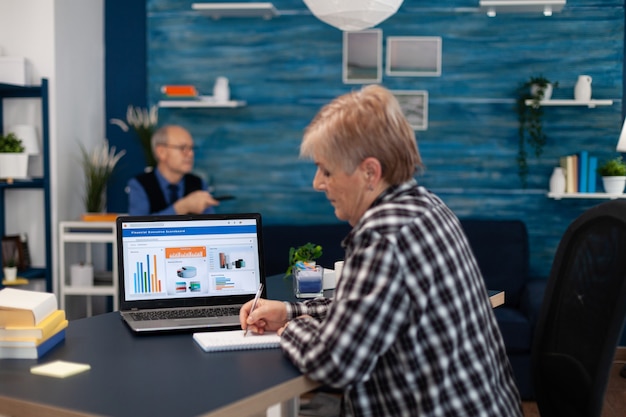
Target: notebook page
pixel 235 340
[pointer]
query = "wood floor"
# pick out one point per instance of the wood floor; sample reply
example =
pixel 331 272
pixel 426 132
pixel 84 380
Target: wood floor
pixel 614 400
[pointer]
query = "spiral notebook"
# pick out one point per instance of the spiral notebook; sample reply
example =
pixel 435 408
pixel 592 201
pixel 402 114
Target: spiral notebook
pixel 235 340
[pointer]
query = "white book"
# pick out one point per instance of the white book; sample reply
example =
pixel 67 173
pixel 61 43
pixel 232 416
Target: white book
pixel 235 340
pixel 24 307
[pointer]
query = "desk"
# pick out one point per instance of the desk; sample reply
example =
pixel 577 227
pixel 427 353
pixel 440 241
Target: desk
pixel 148 375
pixel 151 375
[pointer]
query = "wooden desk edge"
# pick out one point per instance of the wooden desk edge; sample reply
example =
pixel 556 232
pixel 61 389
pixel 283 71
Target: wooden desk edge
pixel 497 299
pixel 19 408
pixel 265 399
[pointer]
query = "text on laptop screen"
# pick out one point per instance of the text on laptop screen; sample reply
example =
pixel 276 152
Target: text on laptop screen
pixel 183 259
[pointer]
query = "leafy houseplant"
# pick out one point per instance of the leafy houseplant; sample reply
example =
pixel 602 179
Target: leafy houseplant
pixel 144 122
pixel 530 120
pixel 613 173
pixel 308 252
pixel 10 143
pixel 13 159
pixel 98 167
pixel 615 167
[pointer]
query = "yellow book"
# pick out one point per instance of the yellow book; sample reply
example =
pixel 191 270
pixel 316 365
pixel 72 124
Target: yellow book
pixel 42 330
pixel 33 342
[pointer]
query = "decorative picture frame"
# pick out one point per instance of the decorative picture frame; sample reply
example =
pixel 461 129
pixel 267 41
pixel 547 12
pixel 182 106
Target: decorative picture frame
pixel 363 57
pixel 413 56
pixel 12 249
pixel 415 107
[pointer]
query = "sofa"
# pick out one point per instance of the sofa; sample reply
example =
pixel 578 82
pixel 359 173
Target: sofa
pixel 501 250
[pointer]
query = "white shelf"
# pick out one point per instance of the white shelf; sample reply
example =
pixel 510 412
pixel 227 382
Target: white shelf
pixel 586 195
pixel 219 10
pixel 87 233
pixel 589 103
pixel 94 290
pixel 201 103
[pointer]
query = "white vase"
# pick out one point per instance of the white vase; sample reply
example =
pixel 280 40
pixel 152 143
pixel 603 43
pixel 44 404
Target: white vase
pixel 582 90
pixel 10 273
pixel 557 181
pixel 81 275
pixel 221 90
pixel 614 185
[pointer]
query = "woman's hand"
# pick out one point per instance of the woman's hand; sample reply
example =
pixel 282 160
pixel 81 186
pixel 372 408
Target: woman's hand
pixel 268 315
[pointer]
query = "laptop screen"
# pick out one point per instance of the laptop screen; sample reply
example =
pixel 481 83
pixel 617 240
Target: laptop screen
pixel 193 260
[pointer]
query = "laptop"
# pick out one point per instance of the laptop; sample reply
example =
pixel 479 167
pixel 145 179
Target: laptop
pixel 188 272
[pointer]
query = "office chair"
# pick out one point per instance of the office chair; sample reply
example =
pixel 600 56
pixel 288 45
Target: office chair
pixel 582 315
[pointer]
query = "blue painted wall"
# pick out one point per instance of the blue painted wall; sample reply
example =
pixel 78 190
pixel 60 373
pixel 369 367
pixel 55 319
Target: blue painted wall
pixel 286 68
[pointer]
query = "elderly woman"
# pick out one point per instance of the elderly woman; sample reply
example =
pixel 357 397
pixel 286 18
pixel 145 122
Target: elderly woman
pixel 410 330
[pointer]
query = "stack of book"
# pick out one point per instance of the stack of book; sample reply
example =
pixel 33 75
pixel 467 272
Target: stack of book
pixel 580 172
pixel 173 92
pixel 31 323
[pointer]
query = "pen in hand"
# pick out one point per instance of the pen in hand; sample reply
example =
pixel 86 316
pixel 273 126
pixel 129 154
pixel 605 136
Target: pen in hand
pixel 256 300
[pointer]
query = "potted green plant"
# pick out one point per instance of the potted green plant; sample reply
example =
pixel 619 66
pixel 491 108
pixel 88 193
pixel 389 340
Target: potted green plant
pixel 306 253
pixel 613 173
pixel 13 159
pixel 98 166
pixel 144 122
pixel 10 270
pixel 530 116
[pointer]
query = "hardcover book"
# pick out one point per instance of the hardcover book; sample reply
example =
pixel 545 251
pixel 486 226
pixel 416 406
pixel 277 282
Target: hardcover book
pixel 24 307
pixel 32 352
pixel 33 342
pixel 40 331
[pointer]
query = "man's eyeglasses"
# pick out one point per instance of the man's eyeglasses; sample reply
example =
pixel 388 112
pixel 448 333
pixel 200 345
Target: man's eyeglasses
pixel 182 148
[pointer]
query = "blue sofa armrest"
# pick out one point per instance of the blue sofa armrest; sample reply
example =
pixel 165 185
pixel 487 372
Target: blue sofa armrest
pixel 532 298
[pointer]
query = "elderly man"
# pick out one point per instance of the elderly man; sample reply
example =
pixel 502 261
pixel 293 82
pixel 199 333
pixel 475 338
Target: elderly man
pixel 170 188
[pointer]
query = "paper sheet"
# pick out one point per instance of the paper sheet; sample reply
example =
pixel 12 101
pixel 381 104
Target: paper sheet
pixel 60 369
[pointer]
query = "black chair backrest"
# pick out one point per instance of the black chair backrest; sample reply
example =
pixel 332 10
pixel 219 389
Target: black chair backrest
pixel 582 314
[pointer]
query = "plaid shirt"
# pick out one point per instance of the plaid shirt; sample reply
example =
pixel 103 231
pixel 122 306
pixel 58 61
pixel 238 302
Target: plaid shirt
pixel 410 330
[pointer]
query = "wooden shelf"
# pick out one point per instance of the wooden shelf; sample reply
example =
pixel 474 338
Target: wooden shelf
pixel 586 195
pixel 202 102
pixel 590 103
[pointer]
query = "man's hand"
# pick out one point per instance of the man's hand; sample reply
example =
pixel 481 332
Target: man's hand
pixel 195 203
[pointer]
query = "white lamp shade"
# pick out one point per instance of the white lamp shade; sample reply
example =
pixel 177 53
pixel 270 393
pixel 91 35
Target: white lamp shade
pixel 621 143
pixel 353 15
pixel 28 135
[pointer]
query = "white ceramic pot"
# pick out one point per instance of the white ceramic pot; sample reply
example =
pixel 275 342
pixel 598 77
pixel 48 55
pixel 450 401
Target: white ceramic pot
pixel 614 185
pixel 13 165
pixel 547 92
pixel 81 275
pixel 10 273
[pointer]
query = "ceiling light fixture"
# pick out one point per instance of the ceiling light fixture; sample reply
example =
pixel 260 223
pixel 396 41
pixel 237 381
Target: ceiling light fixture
pixel 353 15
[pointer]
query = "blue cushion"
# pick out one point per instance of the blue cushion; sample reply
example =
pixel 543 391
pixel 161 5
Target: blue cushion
pixel 516 329
pixel 501 250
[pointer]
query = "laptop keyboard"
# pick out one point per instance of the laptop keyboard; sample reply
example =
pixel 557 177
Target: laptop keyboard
pixel 191 313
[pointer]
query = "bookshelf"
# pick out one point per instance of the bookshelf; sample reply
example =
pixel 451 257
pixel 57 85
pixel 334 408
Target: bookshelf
pixel 586 103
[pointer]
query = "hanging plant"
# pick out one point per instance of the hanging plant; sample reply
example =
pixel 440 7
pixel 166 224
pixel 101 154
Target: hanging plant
pixel 530 129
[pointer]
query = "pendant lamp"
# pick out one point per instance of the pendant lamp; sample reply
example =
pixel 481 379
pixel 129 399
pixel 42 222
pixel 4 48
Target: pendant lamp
pixel 353 15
